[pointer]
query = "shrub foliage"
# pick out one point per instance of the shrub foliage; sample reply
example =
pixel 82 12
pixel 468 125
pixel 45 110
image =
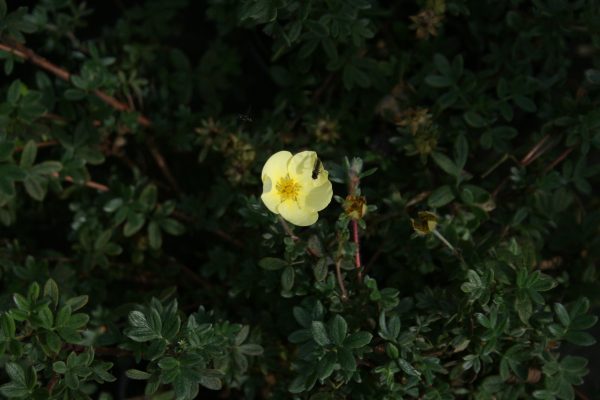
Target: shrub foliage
pixel 458 260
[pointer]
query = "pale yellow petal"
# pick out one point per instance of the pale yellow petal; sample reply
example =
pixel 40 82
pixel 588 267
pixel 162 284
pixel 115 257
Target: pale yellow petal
pixel 301 165
pixel 318 198
pixel 301 168
pixel 291 212
pixel 276 166
pixel 270 196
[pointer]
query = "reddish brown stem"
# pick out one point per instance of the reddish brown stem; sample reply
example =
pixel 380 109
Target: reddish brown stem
pixel 357 255
pixel 53 381
pixel 39 145
pixel 534 152
pixel 90 184
pixel 558 159
pixel 354 182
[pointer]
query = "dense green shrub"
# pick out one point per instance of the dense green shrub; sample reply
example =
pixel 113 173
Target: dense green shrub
pixel 135 252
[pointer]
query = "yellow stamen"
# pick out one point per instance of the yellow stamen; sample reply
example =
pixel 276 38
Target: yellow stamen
pixel 288 188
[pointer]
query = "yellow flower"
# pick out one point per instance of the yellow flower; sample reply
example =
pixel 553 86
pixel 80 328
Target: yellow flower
pixel 291 189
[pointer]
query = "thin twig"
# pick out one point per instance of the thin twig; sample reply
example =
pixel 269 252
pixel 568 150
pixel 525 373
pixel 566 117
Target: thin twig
pixel 287 229
pixel 418 198
pixel 39 145
pixel 340 279
pixel 534 152
pixel 162 164
pixel 90 184
pixel 558 160
pixel 53 381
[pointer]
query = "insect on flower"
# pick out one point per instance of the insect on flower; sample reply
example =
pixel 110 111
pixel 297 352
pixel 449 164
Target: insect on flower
pixel 316 168
pixel 296 186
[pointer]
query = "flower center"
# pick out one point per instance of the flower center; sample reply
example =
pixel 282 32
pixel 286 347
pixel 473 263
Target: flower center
pixel 288 188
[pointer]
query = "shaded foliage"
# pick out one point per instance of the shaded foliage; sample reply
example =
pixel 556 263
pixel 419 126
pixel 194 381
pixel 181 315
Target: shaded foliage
pixel 137 258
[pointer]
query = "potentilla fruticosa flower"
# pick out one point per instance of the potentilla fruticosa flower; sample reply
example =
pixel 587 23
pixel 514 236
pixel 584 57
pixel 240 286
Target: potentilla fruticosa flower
pixel 296 186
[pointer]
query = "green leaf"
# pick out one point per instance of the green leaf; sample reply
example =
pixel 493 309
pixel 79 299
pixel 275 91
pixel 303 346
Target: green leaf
pixel 440 197
pixel 46 168
pixel 168 363
pixel 303 318
pixel 406 367
pixel 113 205
pixel 172 227
pixel 14 91
pixel 51 290
pixel 319 333
pixel 287 278
pixel 63 316
pixel 134 223
pixel 346 359
pixel 154 235
pixel 251 349
pixel 523 305
pixel 358 340
pixel 272 263
pixel 326 365
pixel 393 327
pixel 474 119
pixel 77 321
pixel 16 373
pixel 562 314
pixel 21 302
pixel 12 172
pixel 142 330
pixel 438 81
pixel 446 164
pixel 78 302
pixel 59 367
pixel 525 103
pixel 461 151
pixel 74 94
pixel 14 391
pixel 28 155
pixel 137 375
pixel 211 383
pixel 7 325
pixel 35 187
pixel 148 197
pixel 442 64
pixel 317 28
pixel 7 188
pixel 580 338
pixel 6 150
pixel 53 342
pixel 45 317
pixel 338 330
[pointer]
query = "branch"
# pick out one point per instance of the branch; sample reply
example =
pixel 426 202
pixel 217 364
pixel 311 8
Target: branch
pixel 357 261
pixel 353 185
pixel 91 184
pixel 29 55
